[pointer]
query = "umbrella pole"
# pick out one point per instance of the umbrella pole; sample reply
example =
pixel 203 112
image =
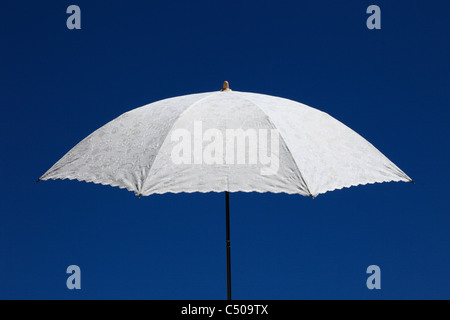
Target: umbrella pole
pixel 227 199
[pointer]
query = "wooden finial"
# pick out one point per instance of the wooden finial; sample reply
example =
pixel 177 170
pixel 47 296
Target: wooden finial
pixel 226 86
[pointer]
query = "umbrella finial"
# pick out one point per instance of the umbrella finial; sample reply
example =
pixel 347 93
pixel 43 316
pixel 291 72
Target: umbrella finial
pixel 226 86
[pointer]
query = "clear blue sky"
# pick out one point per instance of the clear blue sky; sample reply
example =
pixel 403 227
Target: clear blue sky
pixel 389 85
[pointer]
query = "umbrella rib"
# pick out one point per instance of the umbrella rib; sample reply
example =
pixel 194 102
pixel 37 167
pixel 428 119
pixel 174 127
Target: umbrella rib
pixel 164 140
pixel 281 136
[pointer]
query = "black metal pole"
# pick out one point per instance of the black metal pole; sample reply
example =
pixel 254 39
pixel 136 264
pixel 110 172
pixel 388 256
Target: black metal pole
pixel 227 198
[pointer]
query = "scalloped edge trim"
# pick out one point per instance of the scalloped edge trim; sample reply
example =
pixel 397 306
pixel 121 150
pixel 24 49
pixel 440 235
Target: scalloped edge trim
pixel 217 190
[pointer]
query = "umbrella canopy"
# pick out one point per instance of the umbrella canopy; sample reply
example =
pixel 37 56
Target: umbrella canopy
pixel 226 141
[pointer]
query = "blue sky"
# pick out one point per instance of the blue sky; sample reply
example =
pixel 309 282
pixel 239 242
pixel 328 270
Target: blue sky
pixel 389 85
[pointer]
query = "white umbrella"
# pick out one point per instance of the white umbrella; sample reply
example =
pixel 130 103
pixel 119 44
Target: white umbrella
pixel 226 141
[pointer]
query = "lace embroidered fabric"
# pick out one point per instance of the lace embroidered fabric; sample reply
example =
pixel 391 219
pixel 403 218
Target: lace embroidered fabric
pixel 316 153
